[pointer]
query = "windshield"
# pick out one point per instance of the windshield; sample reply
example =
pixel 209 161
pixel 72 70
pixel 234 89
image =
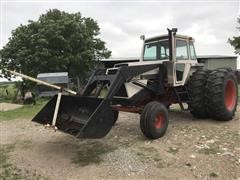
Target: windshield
pixel 156 51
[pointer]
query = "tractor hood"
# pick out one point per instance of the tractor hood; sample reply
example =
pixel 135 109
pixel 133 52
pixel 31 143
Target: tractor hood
pixel 140 63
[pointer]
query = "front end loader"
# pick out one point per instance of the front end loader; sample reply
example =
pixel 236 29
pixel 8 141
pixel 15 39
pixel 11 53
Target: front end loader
pixel 91 116
pixel 167 73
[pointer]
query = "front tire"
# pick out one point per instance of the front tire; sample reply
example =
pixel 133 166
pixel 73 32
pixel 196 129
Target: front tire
pixel 222 94
pixel 154 120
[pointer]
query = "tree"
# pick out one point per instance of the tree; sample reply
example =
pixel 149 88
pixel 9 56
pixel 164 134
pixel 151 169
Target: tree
pixel 57 41
pixel 235 41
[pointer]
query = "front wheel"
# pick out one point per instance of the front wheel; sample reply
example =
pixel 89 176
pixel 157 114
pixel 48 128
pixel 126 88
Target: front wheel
pixel 154 120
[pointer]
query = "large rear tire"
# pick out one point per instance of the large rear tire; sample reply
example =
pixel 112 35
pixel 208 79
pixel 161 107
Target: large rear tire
pixel 196 88
pixel 154 120
pixel 221 94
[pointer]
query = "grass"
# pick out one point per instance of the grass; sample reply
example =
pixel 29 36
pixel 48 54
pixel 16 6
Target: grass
pixel 91 153
pixel 27 111
pixel 7 170
pixel 103 93
pixel 7 91
pixel 213 175
pixel 150 154
pixel 210 150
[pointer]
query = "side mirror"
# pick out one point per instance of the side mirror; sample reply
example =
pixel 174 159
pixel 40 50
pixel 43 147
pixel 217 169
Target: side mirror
pixel 142 37
pixel 174 30
pixel 191 39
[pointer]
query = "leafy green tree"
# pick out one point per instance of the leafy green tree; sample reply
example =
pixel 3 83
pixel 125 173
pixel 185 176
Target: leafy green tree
pixel 57 41
pixel 235 41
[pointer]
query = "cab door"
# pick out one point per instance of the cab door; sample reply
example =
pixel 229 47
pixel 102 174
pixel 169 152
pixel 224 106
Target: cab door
pixel 182 61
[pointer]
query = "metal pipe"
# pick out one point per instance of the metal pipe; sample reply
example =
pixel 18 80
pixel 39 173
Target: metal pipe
pixel 56 109
pixel 41 82
pixel 170 45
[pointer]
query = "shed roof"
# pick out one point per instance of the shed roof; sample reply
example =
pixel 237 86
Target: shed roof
pixel 203 57
pixel 216 57
pixel 121 59
pixel 56 74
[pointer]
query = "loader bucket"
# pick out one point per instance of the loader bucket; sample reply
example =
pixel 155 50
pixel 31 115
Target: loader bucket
pixel 83 117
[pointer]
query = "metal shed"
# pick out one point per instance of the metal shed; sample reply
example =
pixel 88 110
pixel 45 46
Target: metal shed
pixel 58 78
pixel 218 61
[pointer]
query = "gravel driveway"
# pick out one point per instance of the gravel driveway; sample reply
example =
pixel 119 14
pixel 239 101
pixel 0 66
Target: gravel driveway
pixel 191 149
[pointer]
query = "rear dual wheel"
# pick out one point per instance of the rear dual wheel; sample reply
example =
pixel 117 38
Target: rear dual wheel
pixel 221 94
pixel 154 120
pixel 196 88
pixel 213 94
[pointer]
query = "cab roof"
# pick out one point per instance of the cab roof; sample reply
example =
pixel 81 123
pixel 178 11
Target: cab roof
pixel 165 36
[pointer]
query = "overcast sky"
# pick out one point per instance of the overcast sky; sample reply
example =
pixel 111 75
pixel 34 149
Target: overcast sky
pixel 121 23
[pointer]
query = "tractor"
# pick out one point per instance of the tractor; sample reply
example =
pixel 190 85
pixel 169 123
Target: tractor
pixel 168 73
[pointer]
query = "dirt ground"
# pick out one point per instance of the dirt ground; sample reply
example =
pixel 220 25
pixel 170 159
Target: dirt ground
pixel 191 149
pixel 9 106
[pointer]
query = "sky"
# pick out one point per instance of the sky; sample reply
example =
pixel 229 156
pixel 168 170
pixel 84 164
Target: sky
pixel 122 22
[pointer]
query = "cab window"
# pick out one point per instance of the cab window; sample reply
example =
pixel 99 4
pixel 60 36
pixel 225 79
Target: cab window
pixel 164 50
pixel 192 51
pixel 181 50
pixel 156 51
pixel 150 52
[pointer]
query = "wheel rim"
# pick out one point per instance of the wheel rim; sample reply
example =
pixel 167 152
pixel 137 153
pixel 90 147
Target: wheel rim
pixel 159 121
pixel 230 95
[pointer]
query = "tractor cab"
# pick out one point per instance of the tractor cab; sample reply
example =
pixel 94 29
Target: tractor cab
pixel 177 52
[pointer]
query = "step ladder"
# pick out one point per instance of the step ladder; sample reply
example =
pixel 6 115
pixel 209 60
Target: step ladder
pixel 182 95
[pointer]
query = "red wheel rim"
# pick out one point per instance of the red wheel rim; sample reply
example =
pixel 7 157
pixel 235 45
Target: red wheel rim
pixel 159 121
pixel 230 95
